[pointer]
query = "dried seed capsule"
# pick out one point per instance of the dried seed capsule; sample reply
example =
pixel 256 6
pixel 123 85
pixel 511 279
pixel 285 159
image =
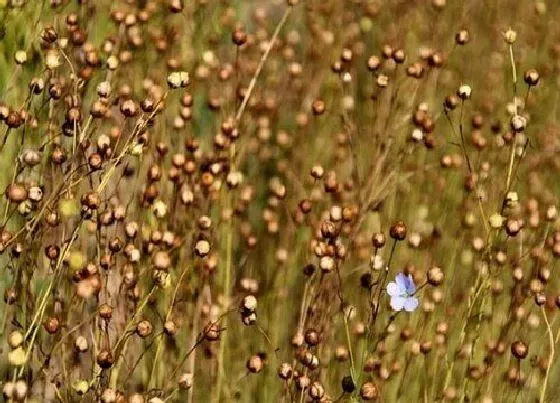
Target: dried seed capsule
pixel 14 119
pixel 105 359
pixel 462 37
pixel 318 107
pixel 144 328
pixel 398 231
pixel 399 56
pixel 170 328
pixel 435 276
pixel 81 344
pixel 255 364
pixel 211 332
pixel 175 6
pixel 52 325
pixel 16 193
pixel 348 385
pixel 105 311
pixel 186 380
pixel 316 391
pixel 373 63
pixel 312 337
pixel 531 77
pixel 239 37
pixel 519 349
pixel 464 92
pixel 285 371
pixel 202 248
pixel 178 79
pixel 378 240
pixel 249 303
pixel 369 391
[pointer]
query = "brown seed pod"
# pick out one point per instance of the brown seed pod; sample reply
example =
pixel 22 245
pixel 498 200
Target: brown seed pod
pixel 318 107
pixel 49 35
pixel 52 325
pixel 399 56
pixel 16 193
pixel 212 332
pixel 91 200
pixel 239 37
pixel 14 119
pixel 255 364
pixel 519 349
pixel 105 311
pixel 175 6
pixel 105 359
pixel 129 108
pixel 316 391
pixel 170 328
pixel 462 37
pixel 451 102
pixel 540 299
pixel 312 337
pixel 95 161
pixel 398 231
pixel 435 276
pixel 369 391
pixel 531 77
pixel 373 63
pixel 144 328
pixel 285 371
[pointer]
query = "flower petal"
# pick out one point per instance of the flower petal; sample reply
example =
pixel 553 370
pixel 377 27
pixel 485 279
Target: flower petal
pixel 393 289
pixel 410 286
pixel 401 281
pixel 397 303
pixel 410 304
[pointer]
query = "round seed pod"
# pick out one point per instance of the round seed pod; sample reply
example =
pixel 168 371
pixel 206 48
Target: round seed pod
pixel 255 364
pixel 464 92
pixel 435 276
pixel 212 332
pixel 52 325
pixel 285 371
pixel 531 77
pixel 398 231
pixel 239 37
pixel 378 240
pixel 451 102
pixel 175 6
pixel 519 349
pixel 16 193
pixel 249 304
pixel 540 299
pixel 105 359
pixel 462 37
pixel 369 391
pixel 14 119
pixel 186 380
pixel 312 337
pixel 81 344
pixel 202 248
pixel 318 107
pixel 399 56
pixel 15 339
pixel 105 311
pixel 144 328
pixel 373 63
pixel 348 385
pixel 302 382
pixel 316 391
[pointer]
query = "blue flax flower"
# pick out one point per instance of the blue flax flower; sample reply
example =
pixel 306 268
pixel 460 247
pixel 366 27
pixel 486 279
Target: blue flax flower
pixel 402 292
